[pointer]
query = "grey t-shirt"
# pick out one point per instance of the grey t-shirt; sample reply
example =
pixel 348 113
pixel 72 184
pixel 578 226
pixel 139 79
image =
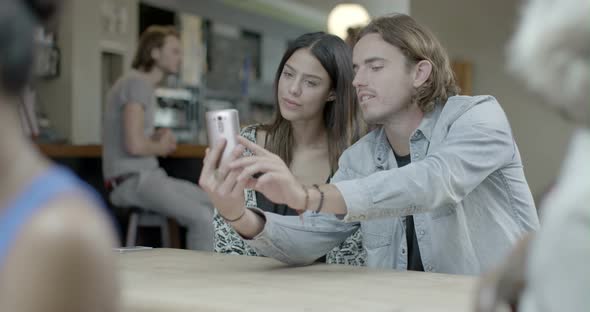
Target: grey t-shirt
pixel 131 88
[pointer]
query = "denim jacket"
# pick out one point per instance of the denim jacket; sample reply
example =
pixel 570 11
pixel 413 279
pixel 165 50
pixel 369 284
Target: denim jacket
pixel 465 188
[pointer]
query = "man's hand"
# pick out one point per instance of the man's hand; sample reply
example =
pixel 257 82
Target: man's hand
pixel 166 140
pixel 275 180
pixel 159 132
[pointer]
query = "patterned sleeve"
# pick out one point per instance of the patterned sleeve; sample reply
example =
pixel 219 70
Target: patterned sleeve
pixel 350 252
pixel 227 240
pixel 249 133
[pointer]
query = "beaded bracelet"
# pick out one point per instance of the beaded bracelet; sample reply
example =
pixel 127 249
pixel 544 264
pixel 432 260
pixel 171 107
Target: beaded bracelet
pixel 321 204
pixel 306 200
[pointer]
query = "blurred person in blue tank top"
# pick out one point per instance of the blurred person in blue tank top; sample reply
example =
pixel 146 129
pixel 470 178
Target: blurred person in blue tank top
pixel 55 239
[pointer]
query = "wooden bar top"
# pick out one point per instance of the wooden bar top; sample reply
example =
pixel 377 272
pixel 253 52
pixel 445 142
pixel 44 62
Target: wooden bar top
pixel 185 280
pixel 95 150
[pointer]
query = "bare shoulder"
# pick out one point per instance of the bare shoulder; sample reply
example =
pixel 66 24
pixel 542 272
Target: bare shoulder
pixel 72 222
pixel 64 259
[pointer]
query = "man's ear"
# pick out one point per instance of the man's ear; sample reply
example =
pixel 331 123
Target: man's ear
pixel 331 96
pixel 155 54
pixel 422 72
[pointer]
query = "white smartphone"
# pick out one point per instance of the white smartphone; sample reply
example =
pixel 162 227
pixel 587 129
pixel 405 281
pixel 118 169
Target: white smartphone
pixel 225 124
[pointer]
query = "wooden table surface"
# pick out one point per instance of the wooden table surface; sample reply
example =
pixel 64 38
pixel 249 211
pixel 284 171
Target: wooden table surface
pixel 183 280
pixel 94 151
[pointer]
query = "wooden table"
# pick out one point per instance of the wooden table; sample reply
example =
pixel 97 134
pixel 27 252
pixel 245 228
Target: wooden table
pixel 183 280
pixel 94 151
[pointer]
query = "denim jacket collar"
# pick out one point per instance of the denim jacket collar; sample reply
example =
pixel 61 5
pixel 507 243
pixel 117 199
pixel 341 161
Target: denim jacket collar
pixel 424 130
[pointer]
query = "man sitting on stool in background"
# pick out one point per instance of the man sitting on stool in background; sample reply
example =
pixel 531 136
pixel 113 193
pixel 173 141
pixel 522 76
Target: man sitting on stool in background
pixel 131 143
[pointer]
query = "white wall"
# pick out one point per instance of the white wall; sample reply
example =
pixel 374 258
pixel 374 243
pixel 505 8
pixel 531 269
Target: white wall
pixel 381 7
pixel 478 31
pixel 73 101
pixel 86 71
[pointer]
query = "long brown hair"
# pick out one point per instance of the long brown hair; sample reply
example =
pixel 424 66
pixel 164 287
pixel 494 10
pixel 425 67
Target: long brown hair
pixel 341 117
pixel 417 43
pixel 152 38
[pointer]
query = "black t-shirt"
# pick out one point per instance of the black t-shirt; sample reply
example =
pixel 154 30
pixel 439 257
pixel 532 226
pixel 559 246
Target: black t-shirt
pixel 266 205
pixel 414 259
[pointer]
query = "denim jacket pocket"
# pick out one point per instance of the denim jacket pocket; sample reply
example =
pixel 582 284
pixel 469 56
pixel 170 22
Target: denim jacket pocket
pixel 377 233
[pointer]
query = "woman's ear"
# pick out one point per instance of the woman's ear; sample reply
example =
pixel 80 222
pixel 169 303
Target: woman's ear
pixel 331 96
pixel 422 72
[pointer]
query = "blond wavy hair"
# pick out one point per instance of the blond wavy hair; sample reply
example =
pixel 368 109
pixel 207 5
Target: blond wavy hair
pixel 417 43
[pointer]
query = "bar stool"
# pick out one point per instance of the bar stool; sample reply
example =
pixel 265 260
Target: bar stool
pixel 169 229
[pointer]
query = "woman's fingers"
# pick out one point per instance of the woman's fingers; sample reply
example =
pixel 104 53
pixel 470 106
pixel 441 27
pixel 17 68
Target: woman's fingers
pixel 240 186
pixel 224 168
pixel 212 158
pixel 207 179
pixel 253 147
pixel 237 152
pixel 228 184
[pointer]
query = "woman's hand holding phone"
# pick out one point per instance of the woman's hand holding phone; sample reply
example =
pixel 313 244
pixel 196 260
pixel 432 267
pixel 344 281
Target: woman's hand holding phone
pixel 226 193
pixel 221 183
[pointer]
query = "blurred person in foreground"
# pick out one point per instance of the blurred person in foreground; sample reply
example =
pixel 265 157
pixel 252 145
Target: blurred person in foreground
pixel 549 271
pixel 55 238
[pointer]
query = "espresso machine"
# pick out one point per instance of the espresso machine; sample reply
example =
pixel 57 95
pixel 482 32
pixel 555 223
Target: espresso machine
pixel 177 109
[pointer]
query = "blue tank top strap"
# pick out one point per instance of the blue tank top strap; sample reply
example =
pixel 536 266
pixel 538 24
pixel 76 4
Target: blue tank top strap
pixel 35 196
